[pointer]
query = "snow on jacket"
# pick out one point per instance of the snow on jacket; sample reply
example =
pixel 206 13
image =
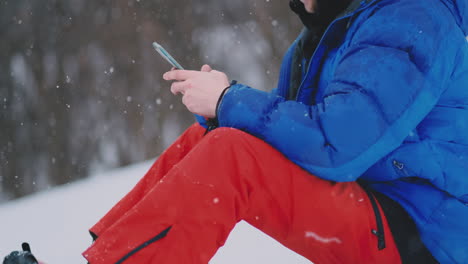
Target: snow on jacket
pixel 384 99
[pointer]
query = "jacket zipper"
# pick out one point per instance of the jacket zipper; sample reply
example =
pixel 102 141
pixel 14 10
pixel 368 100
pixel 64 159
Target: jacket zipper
pixel 145 244
pixel 367 3
pixel 380 232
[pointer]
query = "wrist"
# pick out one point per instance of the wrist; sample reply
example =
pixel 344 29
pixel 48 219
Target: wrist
pixel 213 122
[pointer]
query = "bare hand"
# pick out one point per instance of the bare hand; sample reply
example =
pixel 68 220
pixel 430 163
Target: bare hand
pixel 200 89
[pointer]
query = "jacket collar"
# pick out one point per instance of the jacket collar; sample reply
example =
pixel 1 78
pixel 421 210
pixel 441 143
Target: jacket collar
pixel 355 6
pixel 459 9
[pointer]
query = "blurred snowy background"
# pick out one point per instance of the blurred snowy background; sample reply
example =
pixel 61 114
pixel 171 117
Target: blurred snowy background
pixel 80 85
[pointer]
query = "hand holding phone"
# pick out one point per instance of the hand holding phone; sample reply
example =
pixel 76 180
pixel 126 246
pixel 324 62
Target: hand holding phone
pixel 167 56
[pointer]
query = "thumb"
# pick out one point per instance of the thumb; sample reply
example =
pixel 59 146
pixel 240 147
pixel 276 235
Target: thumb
pixel 206 68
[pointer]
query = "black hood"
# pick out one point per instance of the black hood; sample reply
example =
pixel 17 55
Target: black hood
pixel 327 11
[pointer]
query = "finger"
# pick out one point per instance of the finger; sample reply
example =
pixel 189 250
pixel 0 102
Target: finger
pixel 173 68
pixel 206 68
pixel 179 87
pixel 187 101
pixel 180 75
pixel 185 98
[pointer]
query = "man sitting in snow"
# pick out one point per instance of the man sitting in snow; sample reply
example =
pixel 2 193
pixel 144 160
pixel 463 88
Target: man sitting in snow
pixel 360 155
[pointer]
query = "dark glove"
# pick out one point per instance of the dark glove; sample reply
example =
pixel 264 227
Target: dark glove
pixel 21 257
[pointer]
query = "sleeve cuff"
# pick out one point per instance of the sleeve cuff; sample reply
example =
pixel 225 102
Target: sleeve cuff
pixel 201 120
pixel 245 108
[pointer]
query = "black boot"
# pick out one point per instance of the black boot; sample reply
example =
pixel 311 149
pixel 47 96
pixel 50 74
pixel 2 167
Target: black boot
pixel 21 257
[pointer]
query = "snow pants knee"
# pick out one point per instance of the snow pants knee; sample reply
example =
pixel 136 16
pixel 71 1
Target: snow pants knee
pixel 183 209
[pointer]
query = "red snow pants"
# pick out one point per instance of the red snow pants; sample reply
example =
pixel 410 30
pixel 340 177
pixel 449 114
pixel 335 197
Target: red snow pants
pixel 183 209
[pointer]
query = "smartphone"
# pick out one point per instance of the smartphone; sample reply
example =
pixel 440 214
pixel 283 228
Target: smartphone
pixel 167 56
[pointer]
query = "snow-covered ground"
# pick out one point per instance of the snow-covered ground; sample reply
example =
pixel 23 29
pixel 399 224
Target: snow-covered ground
pixel 55 223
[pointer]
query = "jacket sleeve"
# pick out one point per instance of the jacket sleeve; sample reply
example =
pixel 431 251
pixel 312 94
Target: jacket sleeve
pixel 388 79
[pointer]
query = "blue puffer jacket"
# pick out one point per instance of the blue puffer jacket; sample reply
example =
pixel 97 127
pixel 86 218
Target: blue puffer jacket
pixel 384 99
